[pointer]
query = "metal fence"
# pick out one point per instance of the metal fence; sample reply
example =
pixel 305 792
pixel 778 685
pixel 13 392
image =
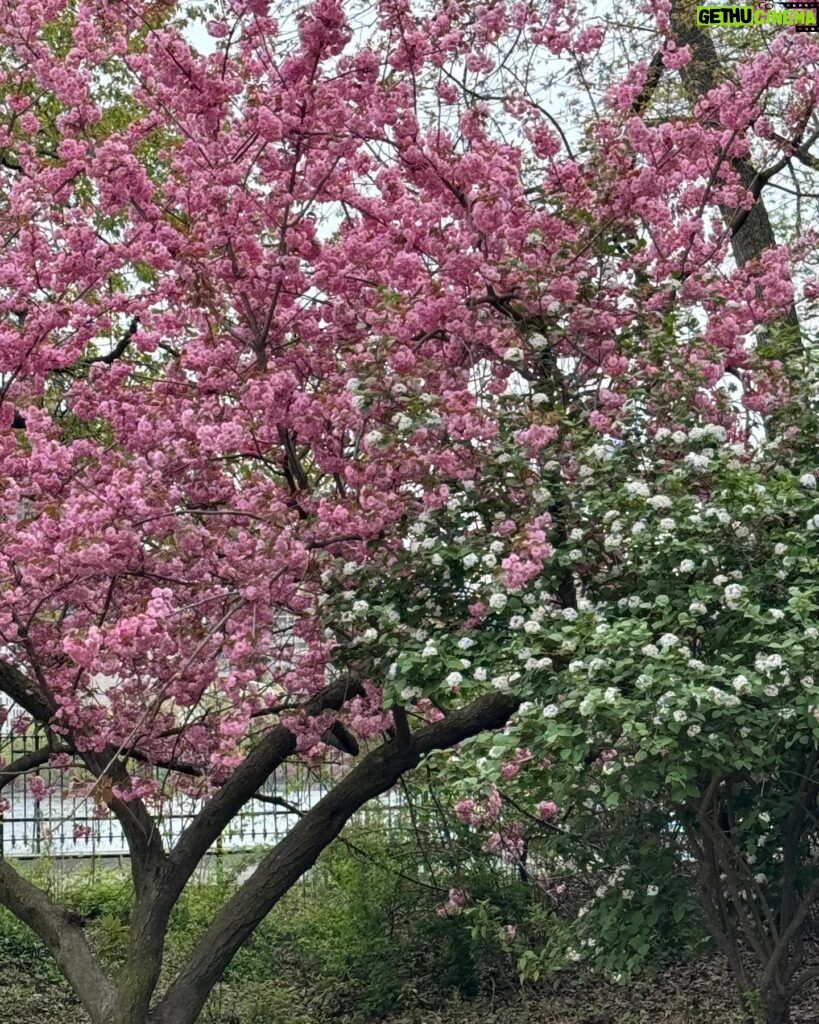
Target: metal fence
pixel 59 825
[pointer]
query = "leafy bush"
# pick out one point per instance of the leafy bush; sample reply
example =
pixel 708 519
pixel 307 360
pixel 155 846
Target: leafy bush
pixel 367 933
pixel 372 904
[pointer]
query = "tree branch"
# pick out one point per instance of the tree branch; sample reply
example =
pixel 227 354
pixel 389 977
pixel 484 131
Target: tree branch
pixel 300 848
pixel 64 938
pixel 750 230
pixel 27 693
pixel 275 746
pixel 654 73
pixel 25 763
pixel 119 348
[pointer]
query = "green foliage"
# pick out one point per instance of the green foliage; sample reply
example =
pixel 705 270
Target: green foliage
pixel 363 936
pixel 17 941
pixel 359 938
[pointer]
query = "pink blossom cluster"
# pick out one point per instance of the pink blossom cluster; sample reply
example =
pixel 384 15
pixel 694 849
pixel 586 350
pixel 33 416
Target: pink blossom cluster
pixel 216 416
pixel 480 811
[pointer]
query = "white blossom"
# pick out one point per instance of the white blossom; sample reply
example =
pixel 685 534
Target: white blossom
pixel 741 684
pixel 637 489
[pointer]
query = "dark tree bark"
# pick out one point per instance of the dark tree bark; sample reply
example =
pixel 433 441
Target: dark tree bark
pixel 299 850
pixel 160 876
pixel 750 230
pixel 63 937
pixel 754 234
pixel 760 933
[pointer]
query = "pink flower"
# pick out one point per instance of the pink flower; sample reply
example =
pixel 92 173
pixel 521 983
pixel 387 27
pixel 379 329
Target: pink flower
pixel 676 57
pixel 458 897
pixel 37 787
pixel 464 811
pixel 453 905
pixel 547 809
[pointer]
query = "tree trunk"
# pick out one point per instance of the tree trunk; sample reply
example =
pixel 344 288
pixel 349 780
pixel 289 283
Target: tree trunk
pixel 776 1008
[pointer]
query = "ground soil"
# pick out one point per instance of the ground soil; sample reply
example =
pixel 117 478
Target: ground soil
pixel 697 993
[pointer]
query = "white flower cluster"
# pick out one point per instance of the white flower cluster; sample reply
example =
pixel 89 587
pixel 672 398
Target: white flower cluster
pixel 637 489
pixel 698 460
pixel 721 698
pixel 767 663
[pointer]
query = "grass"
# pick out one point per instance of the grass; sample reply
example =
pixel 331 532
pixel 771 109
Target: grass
pixel 358 944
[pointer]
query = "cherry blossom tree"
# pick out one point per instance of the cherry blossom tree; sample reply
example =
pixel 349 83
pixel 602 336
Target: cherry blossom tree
pixel 312 341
